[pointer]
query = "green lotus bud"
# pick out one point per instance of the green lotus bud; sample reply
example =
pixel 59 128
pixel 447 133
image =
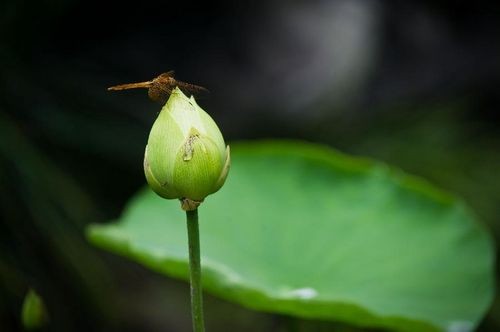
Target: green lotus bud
pixel 34 314
pixel 186 157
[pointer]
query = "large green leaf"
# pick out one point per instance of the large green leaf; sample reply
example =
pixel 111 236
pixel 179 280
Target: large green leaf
pixel 304 230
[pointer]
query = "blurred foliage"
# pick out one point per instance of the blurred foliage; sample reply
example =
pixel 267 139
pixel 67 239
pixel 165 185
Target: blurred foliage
pixel 452 142
pixel 42 244
pixel 34 314
pixel 314 233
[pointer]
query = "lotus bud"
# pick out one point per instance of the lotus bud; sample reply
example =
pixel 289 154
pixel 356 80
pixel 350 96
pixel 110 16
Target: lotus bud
pixel 186 157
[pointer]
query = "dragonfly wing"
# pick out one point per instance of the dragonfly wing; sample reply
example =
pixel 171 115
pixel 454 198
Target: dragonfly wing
pixel 191 88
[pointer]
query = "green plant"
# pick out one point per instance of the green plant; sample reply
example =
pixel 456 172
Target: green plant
pixel 33 313
pixel 186 159
pixel 306 231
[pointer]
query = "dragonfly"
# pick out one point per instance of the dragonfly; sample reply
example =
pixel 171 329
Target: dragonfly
pixel 160 87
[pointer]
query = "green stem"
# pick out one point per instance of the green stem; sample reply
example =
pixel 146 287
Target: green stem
pixel 195 271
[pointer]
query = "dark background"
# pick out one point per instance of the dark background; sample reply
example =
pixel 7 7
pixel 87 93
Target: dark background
pixel 415 84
